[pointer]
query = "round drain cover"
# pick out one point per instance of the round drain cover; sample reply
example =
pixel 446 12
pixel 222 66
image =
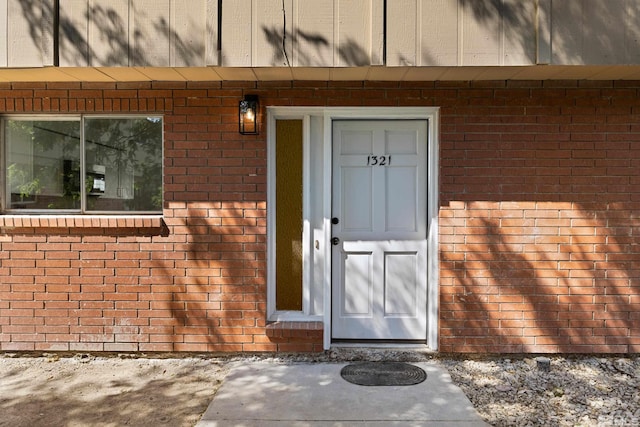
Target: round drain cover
pixel 383 373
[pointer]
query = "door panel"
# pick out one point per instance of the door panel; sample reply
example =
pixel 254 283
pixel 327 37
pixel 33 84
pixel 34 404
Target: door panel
pixel 401 205
pixel 379 260
pixel 357 199
pixel 358 266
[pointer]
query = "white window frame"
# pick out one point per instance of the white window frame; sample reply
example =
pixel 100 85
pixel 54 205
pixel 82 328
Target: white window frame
pixel 82 211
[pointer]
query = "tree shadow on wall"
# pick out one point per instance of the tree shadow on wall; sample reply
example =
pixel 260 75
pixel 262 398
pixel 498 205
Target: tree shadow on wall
pixel 559 279
pixel 219 280
pixel 311 49
pixel 118 46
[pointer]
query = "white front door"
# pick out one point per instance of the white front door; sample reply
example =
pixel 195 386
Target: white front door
pixel 379 210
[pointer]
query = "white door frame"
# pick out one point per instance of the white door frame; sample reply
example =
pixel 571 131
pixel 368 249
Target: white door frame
pixel 322 279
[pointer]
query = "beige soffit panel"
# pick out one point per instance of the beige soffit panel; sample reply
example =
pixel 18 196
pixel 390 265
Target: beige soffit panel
pixel 236 73
pixel 160 73
pixel 387 73
pixel 616 72
pixel 88 74
pixel 199 74
pixel 48 74
pixel 425 73
pixel 123 74
pixel 273 73
pixel 349 74
pixel 311 73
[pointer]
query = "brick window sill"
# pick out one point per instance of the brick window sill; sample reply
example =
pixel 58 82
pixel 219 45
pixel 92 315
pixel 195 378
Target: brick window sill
pixel 293 330
pixel 9 223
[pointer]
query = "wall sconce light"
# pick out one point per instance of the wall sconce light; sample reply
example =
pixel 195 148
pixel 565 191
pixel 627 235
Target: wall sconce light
pixel 248 111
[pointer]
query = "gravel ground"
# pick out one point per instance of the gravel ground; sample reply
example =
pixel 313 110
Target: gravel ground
pixel 580 391
pixel 87 390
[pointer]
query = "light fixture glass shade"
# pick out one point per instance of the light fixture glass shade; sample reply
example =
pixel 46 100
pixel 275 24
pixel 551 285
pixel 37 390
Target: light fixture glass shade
pixel 248 115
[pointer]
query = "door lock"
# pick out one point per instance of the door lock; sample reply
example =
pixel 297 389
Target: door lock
pixel 335 220
pixel 335 241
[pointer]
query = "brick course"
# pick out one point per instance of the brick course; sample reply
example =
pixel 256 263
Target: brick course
pixel 539 224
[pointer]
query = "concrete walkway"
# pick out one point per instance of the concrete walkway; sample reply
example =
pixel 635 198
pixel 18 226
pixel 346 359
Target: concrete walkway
pixel 314 394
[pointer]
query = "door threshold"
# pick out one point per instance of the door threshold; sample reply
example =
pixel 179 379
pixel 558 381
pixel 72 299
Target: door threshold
pixel 387 345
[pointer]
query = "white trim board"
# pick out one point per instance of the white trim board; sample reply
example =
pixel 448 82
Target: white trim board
pixel 317 170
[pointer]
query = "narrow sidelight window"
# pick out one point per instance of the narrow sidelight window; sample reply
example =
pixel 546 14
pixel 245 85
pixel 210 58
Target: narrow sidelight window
pixel 289 150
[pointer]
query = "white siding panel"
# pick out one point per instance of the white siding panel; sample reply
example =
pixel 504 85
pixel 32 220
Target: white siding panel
pixel 314 33
pixel 269 32
pixel 632 35
pixel 566 37
pixel 543 35
pixel 3 31
pixel 519 32
pixel 212 55
pixel 482 34
pixel 188 33
pixel 108 34
pixel 236 34
pixel 73 35
pixel 353 26
pixel 603 31
pixel 439 28
pixel 588 32
pixel 24 34
pixel 149 33
pixel 48 23
pixel 402 25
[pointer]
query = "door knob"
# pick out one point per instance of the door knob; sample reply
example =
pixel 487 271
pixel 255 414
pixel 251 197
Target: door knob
pixel 334 220
pixel 335 241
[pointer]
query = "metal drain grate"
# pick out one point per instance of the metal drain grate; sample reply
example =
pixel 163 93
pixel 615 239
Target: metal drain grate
pixel 383 373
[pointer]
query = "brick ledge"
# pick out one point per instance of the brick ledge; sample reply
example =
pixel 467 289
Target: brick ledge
pixel 293 329
pixel 9 222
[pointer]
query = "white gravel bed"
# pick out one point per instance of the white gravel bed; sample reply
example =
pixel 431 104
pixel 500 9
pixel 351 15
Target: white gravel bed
pixel 576 391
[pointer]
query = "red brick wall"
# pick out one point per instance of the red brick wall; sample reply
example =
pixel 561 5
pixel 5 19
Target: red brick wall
pixel 539 223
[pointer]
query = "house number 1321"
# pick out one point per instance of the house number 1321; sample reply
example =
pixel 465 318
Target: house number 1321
pixel 378 160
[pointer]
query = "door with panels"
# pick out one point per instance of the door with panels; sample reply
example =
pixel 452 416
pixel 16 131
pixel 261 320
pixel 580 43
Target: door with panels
pixel 379 230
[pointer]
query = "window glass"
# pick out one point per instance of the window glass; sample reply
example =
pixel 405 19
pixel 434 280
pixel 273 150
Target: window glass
pixel 43 164
pixel 123 164
pixel 122 170
pixel 289 216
